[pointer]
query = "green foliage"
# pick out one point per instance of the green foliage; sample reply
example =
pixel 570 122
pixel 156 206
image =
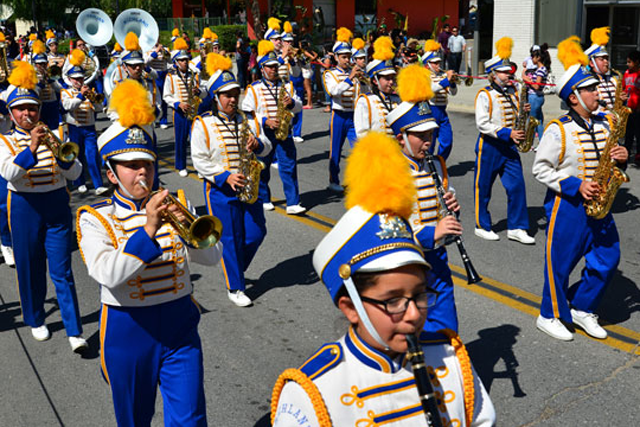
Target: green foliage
pixel 436 30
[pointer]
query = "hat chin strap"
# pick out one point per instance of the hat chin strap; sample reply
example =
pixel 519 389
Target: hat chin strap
pixel 595 65
pixel 406 143
pixel 120 185
pixel 582 104
pixel 364 317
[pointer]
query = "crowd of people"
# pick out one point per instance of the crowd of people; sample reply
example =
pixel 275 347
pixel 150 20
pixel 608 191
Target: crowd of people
pixel 385 262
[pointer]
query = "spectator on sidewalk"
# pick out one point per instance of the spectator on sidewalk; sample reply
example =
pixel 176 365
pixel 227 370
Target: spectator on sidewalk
pixel 457 46
pixel 535 81
pixel 443 39
pixel 631 85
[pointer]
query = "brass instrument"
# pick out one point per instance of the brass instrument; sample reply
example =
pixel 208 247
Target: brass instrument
pixel 250 166
pixel 363 78
pixel 193 100
pixel 456 79
pixel 200 232
pixel 609 176
pixel 94 97
pixel 4 64
pixel 283 115
pixel 54 71
pixel 208 48
pixel 64 151
pixel 525 122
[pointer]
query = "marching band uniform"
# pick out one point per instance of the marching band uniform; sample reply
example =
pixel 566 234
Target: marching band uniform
pixel 53 58
pixel 416 116
pixel 496 154
pixel 293 70
pixel 343 94
pixel 159 63
pixel 350 382
pixel 208 42
pixel 5 233
pixel 442 87
pixel 49 90
pixel 373 107
pixel 80 118
pixel 175 92
pixel 568 155
pixel 148 321
pixel 116 52
pixel 261 97
pixel 39 217
pixel 607 86
pixel 215 152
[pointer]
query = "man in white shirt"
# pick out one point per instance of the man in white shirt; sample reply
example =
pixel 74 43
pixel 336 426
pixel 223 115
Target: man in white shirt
pixel 457 46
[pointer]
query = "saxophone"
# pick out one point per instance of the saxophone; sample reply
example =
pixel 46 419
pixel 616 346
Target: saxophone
pixel 525 122
pixel 283 115
pixel 249 166
pixel 193 100
pixel 609 176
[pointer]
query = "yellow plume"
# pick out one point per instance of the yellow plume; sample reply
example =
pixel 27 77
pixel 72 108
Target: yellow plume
pixel 117 47
pixel 414 84
pixel 214 36
pixel 32 36
pixel 600 36
pixel 383 49
pixel 175 32
pixel 264 47
pixel 216 62
pixel 2 38
pixel 343 34
pixel 131 101
pixel 378 178
pixel 431 45
pixel 206 34
pixel 38 47
pixel 131 42
pixel 358 43
pixel 274 24
pixel 504 47
pixel 287 27
pixel 49 34
pixel 180 44
pixel 570 52
pixel 77 57
pixel 23 75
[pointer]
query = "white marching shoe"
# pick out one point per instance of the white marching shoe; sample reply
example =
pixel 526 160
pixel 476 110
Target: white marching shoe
pixel 268 206
pixel 41 333
pixel 298 139
pixel 296 209
pixel 554 328
pixel 7 254
pixel 82 189
pixel 101 190
pixel 239 298
pixel 588 322
pixel 183 173
pixel 521 236
pixel 78 344
pixel 486 235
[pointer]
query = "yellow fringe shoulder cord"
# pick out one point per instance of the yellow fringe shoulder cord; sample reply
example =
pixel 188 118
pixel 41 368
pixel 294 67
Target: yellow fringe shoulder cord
pixel 467 373
pixel 309 387
pixel 103 221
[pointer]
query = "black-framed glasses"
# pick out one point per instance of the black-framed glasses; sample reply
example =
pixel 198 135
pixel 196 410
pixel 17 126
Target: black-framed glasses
pixel 399 305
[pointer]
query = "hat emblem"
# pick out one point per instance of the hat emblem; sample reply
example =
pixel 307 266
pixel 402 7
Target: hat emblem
pixel 423 108
pixel 226 77
pixel 22 91
pixel 136 136
pixel 392 227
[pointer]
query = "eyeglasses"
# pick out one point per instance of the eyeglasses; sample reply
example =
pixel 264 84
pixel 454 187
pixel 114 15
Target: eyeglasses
pixel 593 88
pixel 399 305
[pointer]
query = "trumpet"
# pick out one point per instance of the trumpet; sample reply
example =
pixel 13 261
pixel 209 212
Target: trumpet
pixel 4 64
pixel 200 232
pixel 94 97
pixel 457 78
pixel 362 77
pixel 64 151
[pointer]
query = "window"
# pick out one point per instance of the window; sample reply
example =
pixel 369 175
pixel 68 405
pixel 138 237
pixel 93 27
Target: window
pixel 554 21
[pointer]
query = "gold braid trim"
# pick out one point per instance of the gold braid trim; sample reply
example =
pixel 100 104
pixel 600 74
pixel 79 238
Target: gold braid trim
pixel 102 220
pixel 467 373
pixel 563 137
pixel 309 387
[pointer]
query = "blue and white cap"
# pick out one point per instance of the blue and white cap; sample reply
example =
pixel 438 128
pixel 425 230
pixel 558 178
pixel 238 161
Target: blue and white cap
pixel 222 81
pixel 576 77
pixel 408 116
pixel 382 68
pixel 288 37
pixel 266 54
pixel 75 72
pixel 14 96
pixel 432 56
pixel 39 58
pixel 358 53
pixel 599 40
pixel 498 64
pixel 132 57
pixel 341 47
pixel 123 144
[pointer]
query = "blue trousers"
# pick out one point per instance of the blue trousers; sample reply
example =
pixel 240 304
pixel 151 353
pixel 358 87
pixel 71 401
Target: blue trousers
pixel 86 138
pixel 243 230
pixel 537 101
pixel 160 85
pixel 443 314
pixel 5 232
pixel 296 123
pixel 571 235
pixel 182 129
pixel 341 128
pixel 50 114
pixel 287 167
pixel 493 158
pixel 143 347
pixel 41 230
pixel 443 133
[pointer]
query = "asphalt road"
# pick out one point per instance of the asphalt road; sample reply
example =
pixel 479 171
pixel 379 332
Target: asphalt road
pixel 533 379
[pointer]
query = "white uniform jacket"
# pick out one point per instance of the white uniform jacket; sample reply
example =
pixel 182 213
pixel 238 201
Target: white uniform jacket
pixel 342 90
pixel 606 91
pixel 79 110
pixel 495 114
pixel 157 61
pixel 27 173
pixel 566 155
pixel 360 386
pixel 214 145
pixel 49 90
pixel 371 112
pixel 133 269
pixel 441 87
pixel 175 87
pixel 154 95
pixel 261 98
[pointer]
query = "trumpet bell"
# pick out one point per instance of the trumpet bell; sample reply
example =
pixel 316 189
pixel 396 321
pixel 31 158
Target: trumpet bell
pixel 94 27
pixel 139 22
pixel 205 231
pixel 68 152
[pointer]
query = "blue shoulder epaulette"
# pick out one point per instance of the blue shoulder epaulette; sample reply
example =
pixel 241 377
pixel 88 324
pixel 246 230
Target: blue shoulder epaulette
pixel 488 87
pixel 101 203
pixel 256 83
pixel 565 118
pixel 206 114
pixel 327 356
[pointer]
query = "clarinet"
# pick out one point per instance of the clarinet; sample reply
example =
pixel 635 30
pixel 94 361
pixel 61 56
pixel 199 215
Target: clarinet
pixel 423 384
pixel 472 275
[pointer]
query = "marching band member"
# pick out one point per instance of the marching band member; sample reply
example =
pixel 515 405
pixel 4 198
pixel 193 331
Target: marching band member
pixel 39 213
pixel 566 160
pixel 600 65
pixel 55 58
pixel 133 67
pixel 373 107
pixel 442 86
pixel 294 69
pixel 359 59
pixel 341 84
pixel 377 276
pixel 80 118
pixel 496 153
pixel 180 79
pixel 217 156
pixel 116 52
pixel 149 321
pixel 413 125
pixel 281 51
pixel 5 233
pixel 261 97
pixel 199 65
pixel 49 88
pixel 158 60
